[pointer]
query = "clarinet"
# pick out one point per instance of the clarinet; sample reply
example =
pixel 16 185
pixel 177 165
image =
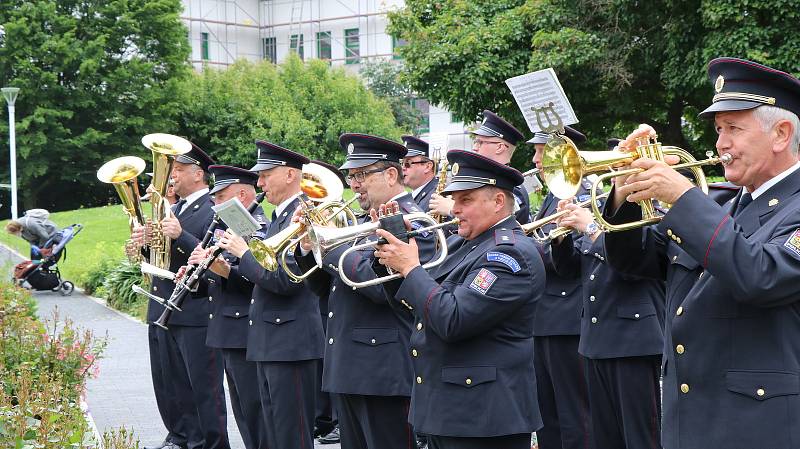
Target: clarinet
pixel 194 272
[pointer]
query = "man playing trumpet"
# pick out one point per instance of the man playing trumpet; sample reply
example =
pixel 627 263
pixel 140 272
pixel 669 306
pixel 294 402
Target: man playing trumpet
pixel 731 370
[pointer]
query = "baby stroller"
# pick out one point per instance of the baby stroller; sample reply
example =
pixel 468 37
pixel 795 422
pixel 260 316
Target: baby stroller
pixel 43 274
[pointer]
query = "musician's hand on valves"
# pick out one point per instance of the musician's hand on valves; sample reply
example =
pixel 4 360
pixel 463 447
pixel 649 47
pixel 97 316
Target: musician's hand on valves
pixel 233 244
pixel 399 256
pixel 137 236
pixel 658 181
pixel 578 217
pixel 441 205
pixel 171 227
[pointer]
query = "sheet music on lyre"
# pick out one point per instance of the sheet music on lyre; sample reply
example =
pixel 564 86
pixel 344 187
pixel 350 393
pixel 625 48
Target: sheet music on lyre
pixel 540 89
pixel 437 145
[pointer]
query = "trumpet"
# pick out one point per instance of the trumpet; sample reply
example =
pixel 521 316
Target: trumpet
pixel 564 167
pixel 325 239
pixel 534 228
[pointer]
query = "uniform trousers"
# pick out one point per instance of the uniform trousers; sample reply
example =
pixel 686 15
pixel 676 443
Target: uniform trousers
pixel 519 441
pixel 624 396
pixel 242 378
pixel 562 390
pixel 196 371
pixel 288 391
pixel 374 422
pixel 326 417
pixel 173 411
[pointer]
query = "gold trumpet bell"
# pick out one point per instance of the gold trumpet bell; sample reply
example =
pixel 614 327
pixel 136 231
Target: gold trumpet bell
pixel 122 173
pixel 320 184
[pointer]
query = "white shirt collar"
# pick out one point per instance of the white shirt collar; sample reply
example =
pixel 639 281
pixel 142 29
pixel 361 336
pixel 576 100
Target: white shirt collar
pixel 766 186
pixel 192 197
pixel 279 209
pixel 416 192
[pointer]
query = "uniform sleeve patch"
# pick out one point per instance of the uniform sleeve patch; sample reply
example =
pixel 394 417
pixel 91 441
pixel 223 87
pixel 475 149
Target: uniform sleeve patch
pixel 793 243
pixel 483 281
pixel 415 225
pixel 503 258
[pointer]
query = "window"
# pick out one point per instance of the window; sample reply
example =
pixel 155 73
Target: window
pixel 397 43
pixel 351 46
pixel 296 44
pixel 270 49
pixel 324 45
pixel 204 46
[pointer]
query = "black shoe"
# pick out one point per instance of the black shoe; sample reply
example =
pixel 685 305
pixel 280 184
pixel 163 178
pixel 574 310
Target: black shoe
pixel 163 445
pixel 331 438
pixel 323 429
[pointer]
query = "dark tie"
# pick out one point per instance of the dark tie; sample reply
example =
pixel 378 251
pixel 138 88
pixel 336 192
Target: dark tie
pixel 274 216
pixel 743 202
pixel 178 206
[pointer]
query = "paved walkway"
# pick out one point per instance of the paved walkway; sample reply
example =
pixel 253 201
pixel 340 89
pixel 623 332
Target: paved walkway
pixel 122 395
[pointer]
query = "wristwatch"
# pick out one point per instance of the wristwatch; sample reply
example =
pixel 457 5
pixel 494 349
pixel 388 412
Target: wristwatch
pixel 591 228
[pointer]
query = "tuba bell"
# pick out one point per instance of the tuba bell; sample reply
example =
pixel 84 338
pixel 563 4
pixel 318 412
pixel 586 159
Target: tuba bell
pixel 164 147
pixel 122 173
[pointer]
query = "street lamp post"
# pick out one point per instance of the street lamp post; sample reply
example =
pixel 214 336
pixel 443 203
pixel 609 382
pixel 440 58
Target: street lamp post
pixel 10 94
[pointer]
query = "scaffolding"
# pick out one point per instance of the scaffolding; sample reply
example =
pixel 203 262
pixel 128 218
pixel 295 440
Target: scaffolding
pixel 222 31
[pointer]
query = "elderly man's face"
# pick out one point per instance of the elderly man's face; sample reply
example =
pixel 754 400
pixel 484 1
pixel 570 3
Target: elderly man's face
pixel 740 134
pixel 476 211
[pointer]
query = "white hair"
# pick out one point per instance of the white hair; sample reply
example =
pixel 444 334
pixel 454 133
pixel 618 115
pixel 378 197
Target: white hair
pixel 768 116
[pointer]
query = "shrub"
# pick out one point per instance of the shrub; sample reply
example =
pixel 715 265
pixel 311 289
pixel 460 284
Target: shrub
pixel 117 288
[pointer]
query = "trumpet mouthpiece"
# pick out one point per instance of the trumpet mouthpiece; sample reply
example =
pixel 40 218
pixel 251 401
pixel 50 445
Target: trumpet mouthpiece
pixel 725 159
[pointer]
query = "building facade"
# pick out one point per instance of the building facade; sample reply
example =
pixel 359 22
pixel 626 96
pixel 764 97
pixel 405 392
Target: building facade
pixel 347 33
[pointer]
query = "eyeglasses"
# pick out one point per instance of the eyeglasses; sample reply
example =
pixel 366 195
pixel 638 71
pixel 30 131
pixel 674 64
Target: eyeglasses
pixel 408 164
pixel 477 143
pixel 362 175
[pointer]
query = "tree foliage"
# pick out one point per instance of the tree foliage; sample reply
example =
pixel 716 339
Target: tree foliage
pixel 383 79
pixel 301 106
pixel 95 75
pixel 621 62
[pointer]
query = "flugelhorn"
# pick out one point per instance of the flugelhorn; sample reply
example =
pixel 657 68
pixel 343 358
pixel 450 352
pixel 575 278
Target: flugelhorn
pixel 164 147
pixel 122 173
pixel 534 228
pixel 563 168
pixel 324 240
pixel 319 185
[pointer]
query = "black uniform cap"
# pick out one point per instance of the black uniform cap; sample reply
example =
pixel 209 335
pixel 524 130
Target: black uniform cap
pixel 612 143
pixel 416 146
pixel 740 85
pixel 494 126
pixel 472 170
pixel 363 150
pixel 270 156
pixel 575 135
pixel 225 175
pixel 197 157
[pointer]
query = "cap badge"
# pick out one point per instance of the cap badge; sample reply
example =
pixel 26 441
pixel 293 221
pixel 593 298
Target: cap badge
pixel 454 169
pixel 350 148
pixel 719 83
pixel 405 143
pixel 484 120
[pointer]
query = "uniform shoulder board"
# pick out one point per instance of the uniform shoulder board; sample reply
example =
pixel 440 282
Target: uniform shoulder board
pixel 504 236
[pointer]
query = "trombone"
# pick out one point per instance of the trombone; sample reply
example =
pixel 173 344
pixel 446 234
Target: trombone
pixel 534 228
pixel 325 239
pixel 563 167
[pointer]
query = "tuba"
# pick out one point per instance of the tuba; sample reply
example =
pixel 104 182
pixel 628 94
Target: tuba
pixel 563 167
pixel 122 172
pixel 165 147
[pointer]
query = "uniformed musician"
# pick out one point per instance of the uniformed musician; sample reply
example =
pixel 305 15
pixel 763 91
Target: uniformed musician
pixel 419 171
pixel 367 361
pixel 229 299
pixel 187 374
pixel 496 139
pixel 563 393
pixel 472 346
pixel 285 333
pixel 621 337
pixel 731 371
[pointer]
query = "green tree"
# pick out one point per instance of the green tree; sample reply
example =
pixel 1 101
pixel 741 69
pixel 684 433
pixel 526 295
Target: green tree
pixel 621 62
pixel 383 79
pixel 302 106
pixel 95 75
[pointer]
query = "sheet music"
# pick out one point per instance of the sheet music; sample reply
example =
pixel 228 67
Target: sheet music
pixel 538 89
pixel 437 145
pixel 235 215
